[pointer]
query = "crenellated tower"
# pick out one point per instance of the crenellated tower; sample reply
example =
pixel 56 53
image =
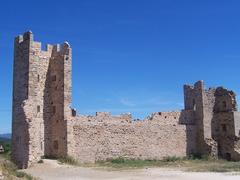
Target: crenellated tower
pixel 41 99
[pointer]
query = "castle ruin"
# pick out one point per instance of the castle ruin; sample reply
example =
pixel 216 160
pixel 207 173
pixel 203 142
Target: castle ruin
pixel 44 124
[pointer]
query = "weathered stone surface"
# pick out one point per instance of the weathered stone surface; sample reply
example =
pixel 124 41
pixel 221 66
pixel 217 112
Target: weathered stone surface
pixel 45 125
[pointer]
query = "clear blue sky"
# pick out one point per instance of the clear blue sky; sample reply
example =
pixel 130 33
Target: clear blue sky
pixel 128 55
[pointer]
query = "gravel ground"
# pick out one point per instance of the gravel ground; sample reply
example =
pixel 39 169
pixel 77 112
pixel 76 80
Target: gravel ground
pixel 51 170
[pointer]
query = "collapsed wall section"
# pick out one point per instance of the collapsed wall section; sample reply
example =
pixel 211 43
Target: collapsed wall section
pixel 202 102
pixel 225 124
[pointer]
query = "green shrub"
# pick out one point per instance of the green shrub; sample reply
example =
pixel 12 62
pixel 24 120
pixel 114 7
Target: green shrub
pixel 40 161
pixel 117 160
pixel 6 145
pixel 20 174
pixel 171 159
pixel 68 160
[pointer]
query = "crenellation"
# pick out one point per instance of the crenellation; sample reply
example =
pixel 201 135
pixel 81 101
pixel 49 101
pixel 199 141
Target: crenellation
pixel 19 39
pixel 28 36
pixel 45 124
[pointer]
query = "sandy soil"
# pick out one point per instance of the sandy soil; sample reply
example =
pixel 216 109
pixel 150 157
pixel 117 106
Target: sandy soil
pixel 51 170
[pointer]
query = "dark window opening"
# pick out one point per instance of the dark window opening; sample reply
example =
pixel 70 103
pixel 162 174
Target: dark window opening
pixel 55 144
pixel 38 109
pixel 66 58
pixel 54 109
pixel 194 105
pixel 224 104
pixel 228 156
pixel 38 78
pixel 41 145
pixel 224 127
pixel 159 113
pixel 165 117
pixel 27 91
pixel 54 78
pixel 74 112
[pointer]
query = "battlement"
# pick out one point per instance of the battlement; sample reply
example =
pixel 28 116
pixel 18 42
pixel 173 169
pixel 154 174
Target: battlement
pixel 28 37
pixel 104 117
pixel 199 83
pixel 173 118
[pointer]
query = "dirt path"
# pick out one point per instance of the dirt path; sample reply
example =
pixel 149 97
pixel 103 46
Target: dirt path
pixel 51 170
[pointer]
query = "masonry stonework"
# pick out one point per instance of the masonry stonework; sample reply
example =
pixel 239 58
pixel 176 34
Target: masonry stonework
pixel 44 124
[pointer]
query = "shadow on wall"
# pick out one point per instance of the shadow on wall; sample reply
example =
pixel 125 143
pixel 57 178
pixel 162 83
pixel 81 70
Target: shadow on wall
pixel 20 139
pixel 20 124
pixel 47 114
pixel 186 118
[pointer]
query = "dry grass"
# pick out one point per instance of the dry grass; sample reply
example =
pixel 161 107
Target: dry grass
pixel 69 160
pixel 204 164
pixel 9 169
pixel 187 164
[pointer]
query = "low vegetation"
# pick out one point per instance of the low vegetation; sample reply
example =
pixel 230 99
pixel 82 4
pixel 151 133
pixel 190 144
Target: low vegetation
pixel 69 160
pixel 9 169
pixel 40 161
pixel 7 149
pixel 188 164
pixel 192 163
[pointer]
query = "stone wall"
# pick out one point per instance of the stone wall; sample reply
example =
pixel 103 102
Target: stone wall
pixel 237 123
pixel 160 135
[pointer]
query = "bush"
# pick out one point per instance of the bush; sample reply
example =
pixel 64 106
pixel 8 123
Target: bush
pixel 117 161
pixel 40 161
pixel 9 170
pixel 68 160
pixel 171 159
pixel 6 145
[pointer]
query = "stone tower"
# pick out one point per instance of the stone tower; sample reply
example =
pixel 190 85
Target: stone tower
pixel 202 102
pixel 41 99
pixel 217 120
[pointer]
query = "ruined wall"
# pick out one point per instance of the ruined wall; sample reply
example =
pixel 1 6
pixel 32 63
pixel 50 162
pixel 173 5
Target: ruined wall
pixel 225 123
pixel 217 122
pixel 161 135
